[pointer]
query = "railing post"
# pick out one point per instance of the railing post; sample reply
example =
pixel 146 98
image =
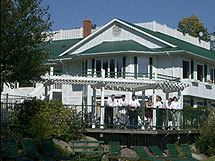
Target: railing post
pixel 51 86
pixel 93 108
pixel 143 110
pixel 184 117
pixel 154 110
pixel 102 102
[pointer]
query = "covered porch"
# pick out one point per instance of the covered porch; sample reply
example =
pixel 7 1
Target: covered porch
pixel 94 114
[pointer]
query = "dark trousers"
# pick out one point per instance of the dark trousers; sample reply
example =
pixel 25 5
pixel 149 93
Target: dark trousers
pixel 133 118
pixel 159 121
pixel 109 116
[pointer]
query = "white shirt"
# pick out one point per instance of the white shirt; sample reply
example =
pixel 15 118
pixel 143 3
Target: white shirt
pixel 159 104
pixel 120 103
pixel 168 105
pixel 111 102
pixel 134 103
pixel 175 105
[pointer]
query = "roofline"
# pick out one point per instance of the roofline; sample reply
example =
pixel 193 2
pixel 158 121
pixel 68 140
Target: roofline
pixel 109 23
pixel 132 51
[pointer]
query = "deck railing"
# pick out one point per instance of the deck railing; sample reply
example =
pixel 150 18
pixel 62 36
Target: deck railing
pixel 118 117
pixel 122 75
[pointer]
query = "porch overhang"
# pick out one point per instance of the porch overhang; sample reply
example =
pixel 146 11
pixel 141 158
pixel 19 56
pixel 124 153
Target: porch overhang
pixel 120 84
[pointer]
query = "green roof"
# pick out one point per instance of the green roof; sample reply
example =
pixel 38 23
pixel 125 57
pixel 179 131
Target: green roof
pixel 124 45
pixel 57 47
pixel 179 43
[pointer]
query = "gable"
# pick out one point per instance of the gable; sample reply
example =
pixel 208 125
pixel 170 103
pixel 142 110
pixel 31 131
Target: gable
pixel 113 32
pixel 119 46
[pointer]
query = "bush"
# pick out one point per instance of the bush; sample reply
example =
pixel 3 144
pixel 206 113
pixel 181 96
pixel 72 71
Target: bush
pixel 206 140
pixel 42 119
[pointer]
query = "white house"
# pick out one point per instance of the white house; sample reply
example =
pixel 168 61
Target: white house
pixel 138 52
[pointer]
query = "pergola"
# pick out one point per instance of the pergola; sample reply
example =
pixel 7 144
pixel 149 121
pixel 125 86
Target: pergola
pixel 122 84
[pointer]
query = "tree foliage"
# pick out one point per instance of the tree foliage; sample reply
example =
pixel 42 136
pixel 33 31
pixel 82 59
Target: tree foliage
pixel 193 27
pixel 42 119
pixel 24 27
pixel 206 140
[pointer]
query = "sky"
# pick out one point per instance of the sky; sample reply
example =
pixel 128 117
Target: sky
pixel 69 14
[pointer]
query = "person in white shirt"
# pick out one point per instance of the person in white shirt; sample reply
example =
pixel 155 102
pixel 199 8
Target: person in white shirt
pixel 168 104
pixel 168 111
pixel 133 115
pixel 176 113
pixel 111 103
pixel 159 112
pixel 122 104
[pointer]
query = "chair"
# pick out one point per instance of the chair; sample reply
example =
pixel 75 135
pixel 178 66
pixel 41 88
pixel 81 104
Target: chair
pixel 158 153
pixel 187 152
pixel 11 151
pixel 50 150
pixel 173 152
pixel 115 152
pixel 31 150
pixel 143 154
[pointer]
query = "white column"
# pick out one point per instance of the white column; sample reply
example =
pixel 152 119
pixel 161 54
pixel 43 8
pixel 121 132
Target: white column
pixel 154 110
pixel 115 67
pixel 102 102
pixel 143 110
pixel 51 86
pixel 180 99
pixel 93 108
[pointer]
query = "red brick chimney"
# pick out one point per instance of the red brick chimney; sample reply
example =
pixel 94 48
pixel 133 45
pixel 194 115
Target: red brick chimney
pixel 86 27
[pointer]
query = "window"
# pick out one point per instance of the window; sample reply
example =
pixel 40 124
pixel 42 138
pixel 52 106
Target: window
pixel 186 69
pixel 105 67
pixel 200 72
pixel 86 67
pixel 98 68
pixel 124 66
pixel 119 67
pixel 211 75
pixel 93 66
pixel 112 67
pixel 205 72
pixel 135 67
pixel 150 67
pixel 192 69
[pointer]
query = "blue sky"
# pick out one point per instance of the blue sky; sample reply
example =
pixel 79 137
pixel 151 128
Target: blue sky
pixel 68 14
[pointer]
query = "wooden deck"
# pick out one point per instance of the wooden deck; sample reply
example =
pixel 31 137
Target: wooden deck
pixel 134 137
pixel 143 132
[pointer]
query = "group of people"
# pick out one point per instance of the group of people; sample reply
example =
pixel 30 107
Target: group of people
pixel 128 114
pixel 170 108
pixel 124 106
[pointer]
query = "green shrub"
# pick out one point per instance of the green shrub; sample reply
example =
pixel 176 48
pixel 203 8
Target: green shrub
pixel 42 119
pixel 206 140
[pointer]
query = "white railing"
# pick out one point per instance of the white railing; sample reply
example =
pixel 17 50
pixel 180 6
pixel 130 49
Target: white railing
pixel 174 33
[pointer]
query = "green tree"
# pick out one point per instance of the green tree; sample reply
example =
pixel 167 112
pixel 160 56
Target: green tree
pixel 193 27
pixel 24 29
pixel 206 139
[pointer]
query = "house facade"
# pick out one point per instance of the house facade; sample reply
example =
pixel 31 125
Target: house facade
pixel 123 50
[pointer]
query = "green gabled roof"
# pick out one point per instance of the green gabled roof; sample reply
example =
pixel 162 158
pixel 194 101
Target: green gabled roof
pixel 57 47
pixel 177 42
pixel 124 45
